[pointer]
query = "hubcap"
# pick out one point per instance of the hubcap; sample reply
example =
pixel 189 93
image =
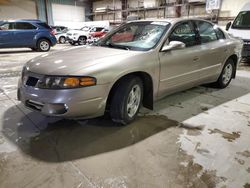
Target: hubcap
pixel 62 40
pixel 44 45
pixel 134 99
pixel 227 74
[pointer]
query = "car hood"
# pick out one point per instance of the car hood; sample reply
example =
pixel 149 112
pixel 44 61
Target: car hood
pixel 241 33
pixel 70 61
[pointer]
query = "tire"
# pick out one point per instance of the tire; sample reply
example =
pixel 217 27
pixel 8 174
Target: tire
pixel 62 40
pixel 226 75
pixel 126 101
pixel 43 45
pixel 82 40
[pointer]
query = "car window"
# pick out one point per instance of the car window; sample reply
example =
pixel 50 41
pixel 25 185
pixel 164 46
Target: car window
pixel 207 32
pixel 219 33
pixel 44 25
pixel 24 26
pixel 98 29
pixel 7 26
pixel 141 36
pixel 184 33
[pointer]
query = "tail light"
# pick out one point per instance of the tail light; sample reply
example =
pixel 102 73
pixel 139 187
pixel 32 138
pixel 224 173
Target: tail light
pixel 53 32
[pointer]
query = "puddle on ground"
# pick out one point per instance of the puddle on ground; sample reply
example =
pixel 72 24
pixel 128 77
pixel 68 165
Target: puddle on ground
pixel 247 185
pixel 244 153
pixel 240 161
pixel 193 175
pixel 228 136
pixel 248 169
pixel 67 140
pixel 244 114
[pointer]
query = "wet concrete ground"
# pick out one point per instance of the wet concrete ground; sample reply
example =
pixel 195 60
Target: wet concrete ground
pixel 197 138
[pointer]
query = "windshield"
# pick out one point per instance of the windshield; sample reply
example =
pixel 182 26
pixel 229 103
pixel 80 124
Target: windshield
pixel 85 28
pixel 242 21
pixel 136 35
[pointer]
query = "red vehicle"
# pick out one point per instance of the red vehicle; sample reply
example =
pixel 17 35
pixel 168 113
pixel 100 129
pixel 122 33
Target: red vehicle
pixel 98 32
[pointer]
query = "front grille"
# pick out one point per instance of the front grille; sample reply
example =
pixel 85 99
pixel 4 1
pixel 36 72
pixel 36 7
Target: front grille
pixel 32 81
pixel 246 47
pixel 34 105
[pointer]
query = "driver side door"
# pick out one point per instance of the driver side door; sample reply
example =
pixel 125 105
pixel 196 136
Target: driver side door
pixel 179 68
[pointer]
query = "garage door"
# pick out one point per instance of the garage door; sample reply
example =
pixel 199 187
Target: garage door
pixel 68 15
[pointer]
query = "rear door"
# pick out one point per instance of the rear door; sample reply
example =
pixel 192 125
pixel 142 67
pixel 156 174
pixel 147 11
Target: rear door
pixel 6 35
pixel 24 33
pixel 213 50
pixel 180 68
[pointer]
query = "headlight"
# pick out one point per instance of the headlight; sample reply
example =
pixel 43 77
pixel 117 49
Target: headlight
pixel 75 34
pixel 54 82
pixel 24 72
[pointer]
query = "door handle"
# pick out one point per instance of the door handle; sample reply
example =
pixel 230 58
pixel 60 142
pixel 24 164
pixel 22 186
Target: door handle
pixel 196 59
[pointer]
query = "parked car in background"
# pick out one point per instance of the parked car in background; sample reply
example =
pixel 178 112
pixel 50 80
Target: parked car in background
pixel 118 76
pixel 80 36
pixel 241 28
pixel 62 36
pixel 59 29
pixel 33 34
pixel 94 36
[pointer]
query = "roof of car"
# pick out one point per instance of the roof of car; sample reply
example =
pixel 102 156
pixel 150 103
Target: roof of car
pixel 24 20
pixel 170 20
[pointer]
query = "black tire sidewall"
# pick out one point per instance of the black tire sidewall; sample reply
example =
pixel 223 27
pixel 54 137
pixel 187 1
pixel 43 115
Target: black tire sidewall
pixel 85 40
pixel 119 101
pixel 220 80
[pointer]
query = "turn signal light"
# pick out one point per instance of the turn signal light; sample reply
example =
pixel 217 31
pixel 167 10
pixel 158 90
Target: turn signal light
pixel 71 82
pixel 87 81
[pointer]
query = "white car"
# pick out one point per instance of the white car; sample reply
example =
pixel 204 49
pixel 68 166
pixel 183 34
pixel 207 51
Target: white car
pixel 240 27
pixel 61 38
pixel 80 36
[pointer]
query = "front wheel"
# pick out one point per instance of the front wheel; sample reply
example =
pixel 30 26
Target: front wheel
pixel 43 45
pixel 82 40
pixel 226 75
pixel 126 100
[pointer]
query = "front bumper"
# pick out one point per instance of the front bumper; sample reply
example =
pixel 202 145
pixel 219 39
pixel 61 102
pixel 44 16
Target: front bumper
pixel 68 103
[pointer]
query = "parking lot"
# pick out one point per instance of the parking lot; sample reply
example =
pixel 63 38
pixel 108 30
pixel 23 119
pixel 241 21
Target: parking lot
pixel 195 138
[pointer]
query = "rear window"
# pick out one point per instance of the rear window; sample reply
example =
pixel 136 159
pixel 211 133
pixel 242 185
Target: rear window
pixel 44 25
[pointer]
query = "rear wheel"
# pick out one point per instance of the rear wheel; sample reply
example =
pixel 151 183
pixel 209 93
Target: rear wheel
pixel 126 100
pixel 226 75
pixel 43 45
pixel 62 40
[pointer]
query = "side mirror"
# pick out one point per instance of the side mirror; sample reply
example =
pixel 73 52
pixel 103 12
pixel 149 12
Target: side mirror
pixel 173 45
pixel 228 25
